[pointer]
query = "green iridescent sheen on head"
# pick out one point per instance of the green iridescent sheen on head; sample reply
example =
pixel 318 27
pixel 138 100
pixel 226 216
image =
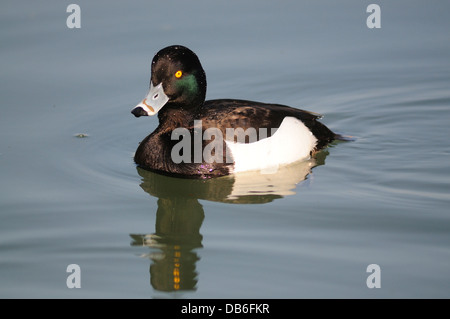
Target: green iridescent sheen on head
pixel 188 84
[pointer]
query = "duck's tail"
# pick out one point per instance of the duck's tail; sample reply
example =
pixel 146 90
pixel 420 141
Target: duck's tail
pixel 346 138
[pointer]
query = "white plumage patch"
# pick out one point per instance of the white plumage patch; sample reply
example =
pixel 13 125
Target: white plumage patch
pixel 292 142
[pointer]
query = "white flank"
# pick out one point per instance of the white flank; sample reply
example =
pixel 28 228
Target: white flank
pixel 292 142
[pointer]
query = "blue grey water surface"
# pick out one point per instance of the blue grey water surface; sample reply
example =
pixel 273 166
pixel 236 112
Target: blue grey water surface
pixel 70 192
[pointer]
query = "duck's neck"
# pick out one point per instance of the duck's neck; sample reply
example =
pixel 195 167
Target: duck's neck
pixel 170 118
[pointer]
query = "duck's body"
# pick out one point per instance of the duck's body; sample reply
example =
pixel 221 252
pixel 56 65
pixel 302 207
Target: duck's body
pixel 200 139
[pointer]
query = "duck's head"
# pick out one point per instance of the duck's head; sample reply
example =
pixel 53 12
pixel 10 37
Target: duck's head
pixel 177 81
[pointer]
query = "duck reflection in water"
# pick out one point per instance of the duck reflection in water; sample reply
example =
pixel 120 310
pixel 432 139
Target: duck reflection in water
pixel 179 217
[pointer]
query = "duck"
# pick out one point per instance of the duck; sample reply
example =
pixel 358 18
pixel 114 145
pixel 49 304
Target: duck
pixel 198 138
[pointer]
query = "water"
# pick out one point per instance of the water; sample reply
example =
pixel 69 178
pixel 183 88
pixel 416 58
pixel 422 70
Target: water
pixel 71 194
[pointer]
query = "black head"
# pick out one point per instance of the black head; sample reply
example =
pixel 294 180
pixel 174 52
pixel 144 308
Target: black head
pixel 177 81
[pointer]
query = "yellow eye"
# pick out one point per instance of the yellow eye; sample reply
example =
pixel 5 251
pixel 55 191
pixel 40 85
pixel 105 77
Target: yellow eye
pixel 178 74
